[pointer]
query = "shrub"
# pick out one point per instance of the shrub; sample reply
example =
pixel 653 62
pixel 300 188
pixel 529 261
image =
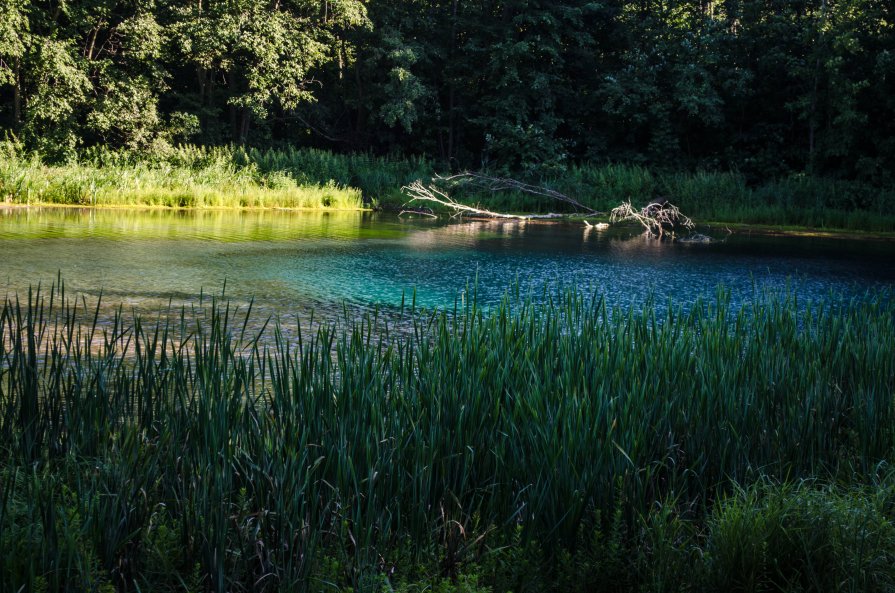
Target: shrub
pixel 801 538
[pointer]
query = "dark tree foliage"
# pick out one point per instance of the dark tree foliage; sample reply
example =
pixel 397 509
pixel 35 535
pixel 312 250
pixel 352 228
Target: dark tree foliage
pixel 766 87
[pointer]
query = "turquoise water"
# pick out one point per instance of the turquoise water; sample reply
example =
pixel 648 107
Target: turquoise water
pixel 293 262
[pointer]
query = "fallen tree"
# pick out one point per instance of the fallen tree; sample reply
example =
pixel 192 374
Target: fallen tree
pixel 657 218
pixel 417 192
pixel 498 184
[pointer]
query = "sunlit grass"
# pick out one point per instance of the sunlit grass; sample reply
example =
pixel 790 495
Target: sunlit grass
pixel 233 177
pixel 207 179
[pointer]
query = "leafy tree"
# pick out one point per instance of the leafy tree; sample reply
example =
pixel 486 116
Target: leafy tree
pixel 257 56
pixel 13 43
pixel 766 87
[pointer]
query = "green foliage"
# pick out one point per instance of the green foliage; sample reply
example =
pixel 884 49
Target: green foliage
pixel 670 550
pixel 374 176
pixel 523 448
pixel 59 86
pixel 191 176
pixel 770 90
pixel 402 92
pixel 463 584
pixel 13 36
pixel 44 536
pixel 801 538
pixel 513 562
pixel 184 177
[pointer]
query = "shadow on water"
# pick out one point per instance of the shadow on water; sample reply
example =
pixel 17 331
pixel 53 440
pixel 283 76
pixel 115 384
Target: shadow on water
pixel 293 263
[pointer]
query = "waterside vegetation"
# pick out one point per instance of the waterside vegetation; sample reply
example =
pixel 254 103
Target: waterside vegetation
pixel 237 177
pixel 770 89
pixel 738 112
pixel 563 446
pixel 187 177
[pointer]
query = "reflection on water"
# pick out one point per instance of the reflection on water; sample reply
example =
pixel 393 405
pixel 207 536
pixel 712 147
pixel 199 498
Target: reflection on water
pixel 293 262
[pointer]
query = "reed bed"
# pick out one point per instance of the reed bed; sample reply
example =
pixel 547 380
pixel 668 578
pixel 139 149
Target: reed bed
pixel 515 448
pixel 379 178
pixel 237 177
pixel 186 177
pixel 717 196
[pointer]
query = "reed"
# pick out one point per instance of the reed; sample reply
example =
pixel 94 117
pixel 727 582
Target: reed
pixel 236 177
pixel 379 178
pixel 185 177
pixel 187 453
pixel 712 196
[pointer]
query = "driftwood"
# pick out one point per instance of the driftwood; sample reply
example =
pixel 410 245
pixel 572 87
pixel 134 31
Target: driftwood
pixel 496 184
pixel 654 217
pixel 422 193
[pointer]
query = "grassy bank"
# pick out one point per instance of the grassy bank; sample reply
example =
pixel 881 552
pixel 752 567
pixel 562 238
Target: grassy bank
pixel 802 201
pixel 555 447
pixel 185 177
pixel 196 177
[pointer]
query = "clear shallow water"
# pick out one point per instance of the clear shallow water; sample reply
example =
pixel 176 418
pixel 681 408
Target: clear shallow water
pixel 292 262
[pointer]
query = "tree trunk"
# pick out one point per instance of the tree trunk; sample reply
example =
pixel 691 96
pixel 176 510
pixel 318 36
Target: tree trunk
pixel 244 124
pixel 17 94
pixel 360 114
pixel 202 77
pixel 452 90
pixel 812 114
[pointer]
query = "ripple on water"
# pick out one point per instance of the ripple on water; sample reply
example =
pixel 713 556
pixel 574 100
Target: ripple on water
pixel 294 262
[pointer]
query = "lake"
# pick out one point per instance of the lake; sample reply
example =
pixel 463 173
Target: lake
pixel 292 262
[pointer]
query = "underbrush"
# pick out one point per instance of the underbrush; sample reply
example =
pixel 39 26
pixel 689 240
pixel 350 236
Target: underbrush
pixel 555 447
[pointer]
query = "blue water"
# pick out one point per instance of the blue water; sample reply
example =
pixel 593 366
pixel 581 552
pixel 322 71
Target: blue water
pixel 291 262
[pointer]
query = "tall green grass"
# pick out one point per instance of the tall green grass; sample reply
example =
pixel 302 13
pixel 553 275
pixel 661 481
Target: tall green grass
pixel 709 196
pixel 379 178
pixel 185 177
pixel 189 454
pixel 197 177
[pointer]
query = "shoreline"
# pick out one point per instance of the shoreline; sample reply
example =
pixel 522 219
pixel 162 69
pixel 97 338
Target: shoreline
pixel 767 230
pixel 159 207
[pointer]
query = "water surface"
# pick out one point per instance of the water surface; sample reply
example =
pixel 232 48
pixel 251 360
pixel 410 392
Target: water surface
pixel 292 262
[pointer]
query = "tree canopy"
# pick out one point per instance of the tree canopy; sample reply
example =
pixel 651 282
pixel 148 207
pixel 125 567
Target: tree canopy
pixel 767 87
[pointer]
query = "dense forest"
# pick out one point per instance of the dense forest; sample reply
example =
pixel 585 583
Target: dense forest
pixel 763 87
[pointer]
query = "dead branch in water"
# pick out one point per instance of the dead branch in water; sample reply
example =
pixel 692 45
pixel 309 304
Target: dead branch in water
pixel 496 184
pixel 421 193
pixel 418 212
pixel 654 217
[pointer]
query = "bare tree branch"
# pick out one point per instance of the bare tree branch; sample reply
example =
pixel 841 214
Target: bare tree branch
pixel 496 184
pixel 654 217
pixel 421 193
pixel 417 211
